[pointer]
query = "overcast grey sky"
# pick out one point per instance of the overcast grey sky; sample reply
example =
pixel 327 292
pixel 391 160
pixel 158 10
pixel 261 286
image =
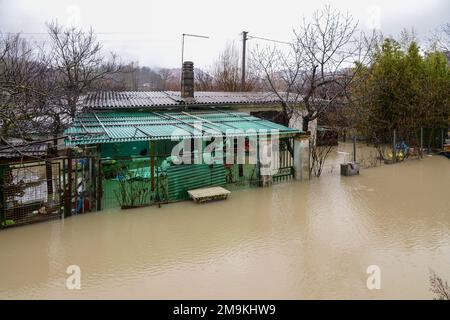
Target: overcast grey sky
pixel 150 31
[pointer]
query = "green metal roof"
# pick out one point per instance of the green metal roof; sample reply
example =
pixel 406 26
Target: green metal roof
pixel 109 127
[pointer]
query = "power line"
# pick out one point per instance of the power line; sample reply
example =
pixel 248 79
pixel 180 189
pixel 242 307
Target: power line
pixel 141 32
pixel 110 32
pixel 139 36
pixel 271 40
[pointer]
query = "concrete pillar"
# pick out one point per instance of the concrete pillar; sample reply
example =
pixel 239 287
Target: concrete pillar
pixel 298 159
pixel 265 165
pixel 301 154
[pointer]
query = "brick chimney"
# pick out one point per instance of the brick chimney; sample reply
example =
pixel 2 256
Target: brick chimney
pixel 187 80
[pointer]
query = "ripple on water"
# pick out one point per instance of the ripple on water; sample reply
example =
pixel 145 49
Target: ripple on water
pixel 296 240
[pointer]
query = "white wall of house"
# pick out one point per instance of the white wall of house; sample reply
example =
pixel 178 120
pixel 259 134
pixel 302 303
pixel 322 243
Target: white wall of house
pixel 297 121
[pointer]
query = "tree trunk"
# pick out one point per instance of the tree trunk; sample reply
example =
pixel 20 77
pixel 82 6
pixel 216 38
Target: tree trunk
pixel 305 123
pixel 72 104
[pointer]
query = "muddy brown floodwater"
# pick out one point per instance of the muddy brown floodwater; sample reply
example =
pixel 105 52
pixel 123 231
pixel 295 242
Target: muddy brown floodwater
pixel 295 240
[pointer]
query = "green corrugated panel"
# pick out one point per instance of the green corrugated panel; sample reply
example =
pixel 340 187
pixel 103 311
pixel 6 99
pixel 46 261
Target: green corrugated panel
pixel 182 178
pixel 108 127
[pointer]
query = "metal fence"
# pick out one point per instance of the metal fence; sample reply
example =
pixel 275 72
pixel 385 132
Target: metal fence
pixel 284 167
pixel 129 183
pixel 44 189
pixel 79 183
pixel 368 155
pixel 30 192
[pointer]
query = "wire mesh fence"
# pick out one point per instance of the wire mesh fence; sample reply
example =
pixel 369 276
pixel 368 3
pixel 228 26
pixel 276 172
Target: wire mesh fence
pixel 368 155
pixel 33 191
pixel 30 192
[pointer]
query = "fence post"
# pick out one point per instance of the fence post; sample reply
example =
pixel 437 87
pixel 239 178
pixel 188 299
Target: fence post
pixel 309 158
pixel 158 196
pixel 2 196
pixel 91 182
pixel 63 187
pixel 394 153
pixel 69 184
pixel 152 166
pixel 49 179
pixel 421 142
pixel 99 186
pixel 354 149
pixel 258 173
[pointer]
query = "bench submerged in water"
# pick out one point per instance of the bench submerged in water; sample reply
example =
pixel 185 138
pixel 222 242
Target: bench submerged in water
pixel 208 194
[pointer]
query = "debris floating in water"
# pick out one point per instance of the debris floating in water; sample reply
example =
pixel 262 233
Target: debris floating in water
pixel 208 194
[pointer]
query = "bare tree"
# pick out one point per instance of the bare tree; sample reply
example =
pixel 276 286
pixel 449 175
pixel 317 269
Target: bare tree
pixel 227 72
pixel 317 69
pixel 203 81
pixel 319 155
pixel 80 65
pixel 132 75
pixel 40 87
pixel 440 38
pixel 439 287
pixel 23 86
pixel 167 77
pixel 279 70
pixel 407 37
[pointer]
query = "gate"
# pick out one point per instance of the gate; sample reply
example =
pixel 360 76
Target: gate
pixel 82 184
pixel 284 167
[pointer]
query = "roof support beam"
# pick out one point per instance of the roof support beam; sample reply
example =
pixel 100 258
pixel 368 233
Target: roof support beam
pixel 242 118
pixel 84 127
pixel 139 129
pixel 101 124
pixel 209 122
pixel 175 118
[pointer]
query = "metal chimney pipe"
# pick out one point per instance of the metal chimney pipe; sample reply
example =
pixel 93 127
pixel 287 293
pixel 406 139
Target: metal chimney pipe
pixel 187 80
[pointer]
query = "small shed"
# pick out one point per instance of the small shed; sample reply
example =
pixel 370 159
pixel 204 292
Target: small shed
pixel 137 151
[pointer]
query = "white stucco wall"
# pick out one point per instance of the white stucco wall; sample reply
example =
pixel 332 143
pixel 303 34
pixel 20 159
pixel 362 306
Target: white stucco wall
pixel 297 120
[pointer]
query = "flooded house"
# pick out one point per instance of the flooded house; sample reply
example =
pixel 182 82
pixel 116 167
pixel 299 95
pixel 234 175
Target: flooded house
pixel 137 148
pixel 155 146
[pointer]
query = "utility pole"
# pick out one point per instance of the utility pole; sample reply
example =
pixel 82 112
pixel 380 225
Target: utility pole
pixel 244 40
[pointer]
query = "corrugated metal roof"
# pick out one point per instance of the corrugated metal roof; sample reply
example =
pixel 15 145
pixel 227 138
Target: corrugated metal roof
pixel 167 99
pixel 128 99
pixel 108 127
pixel 18 151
